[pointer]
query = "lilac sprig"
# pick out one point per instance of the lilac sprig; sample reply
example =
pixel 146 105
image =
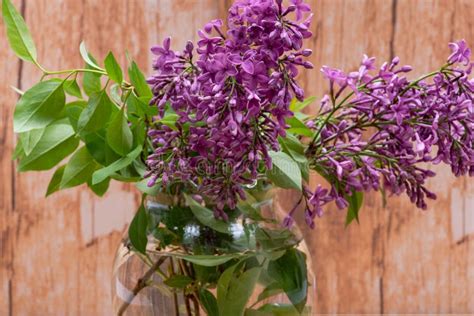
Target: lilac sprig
pixel 410 123
pixel 230 97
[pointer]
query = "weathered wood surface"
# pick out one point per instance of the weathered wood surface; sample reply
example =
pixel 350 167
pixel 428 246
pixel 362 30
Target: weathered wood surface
pixel 56 253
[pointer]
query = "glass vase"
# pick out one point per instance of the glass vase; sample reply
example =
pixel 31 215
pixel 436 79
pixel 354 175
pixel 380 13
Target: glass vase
pixel 250 265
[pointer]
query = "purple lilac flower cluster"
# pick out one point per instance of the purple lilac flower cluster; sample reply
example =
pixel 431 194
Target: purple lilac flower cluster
pixel 409 124
pixel 231 99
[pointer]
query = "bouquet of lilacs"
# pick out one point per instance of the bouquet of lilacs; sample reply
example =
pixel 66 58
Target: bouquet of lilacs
pixel 216 128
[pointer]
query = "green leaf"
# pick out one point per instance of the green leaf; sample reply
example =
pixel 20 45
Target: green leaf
pixel 91 81
pixel 56 143
pixel 297 106
pixel 223 284
pixel 138 81
pixel 206 216
pixel 178 281
pixel 276 310
pixel 355 203
pixel 115 93
pixel 250 211
pixel 290 272
pixel 53 185
pixel 285 172
pixel 299 158
pixel 301 116
pixel 97 113
pixel 137 232
pixel 299 128
pixel 272 240
pixel 119 135
pixel 293 143
pixel 162 234
pixel 127 178
pixel 100 188
pixel 87 57
pixel 17 33
pixel 79 169
pixel 293 147
pixel 139 133
pixel 72 88
pixel 97 145
pixel 137 108
pixel 305 171
pixel 30 139
pixel 302 162
pixel 271 290
pixel 39 106
pixel 169 120
pixel 208 260
pixel 128 173
pixel 143 187
pixel 73 112
pixel 113 68
pixel 234 291
pixel 209 302
pixel 18 153
pixel 101 174
pixel 139 168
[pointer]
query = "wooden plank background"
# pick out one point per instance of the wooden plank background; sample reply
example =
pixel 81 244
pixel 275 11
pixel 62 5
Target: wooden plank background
pixel 56 253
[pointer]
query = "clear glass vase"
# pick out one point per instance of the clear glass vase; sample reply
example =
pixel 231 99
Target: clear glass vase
pixel 257 267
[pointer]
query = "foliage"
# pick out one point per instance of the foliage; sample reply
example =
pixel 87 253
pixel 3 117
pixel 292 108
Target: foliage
pixel 223 271
pixel 92 124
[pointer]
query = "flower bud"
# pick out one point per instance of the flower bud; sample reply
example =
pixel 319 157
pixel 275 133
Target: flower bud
pixel 406 68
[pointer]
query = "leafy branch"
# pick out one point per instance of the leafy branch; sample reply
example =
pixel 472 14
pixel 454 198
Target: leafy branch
pixel 100 122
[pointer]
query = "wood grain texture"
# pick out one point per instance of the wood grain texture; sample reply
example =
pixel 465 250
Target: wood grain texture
pixel 56 253
pixel 8 219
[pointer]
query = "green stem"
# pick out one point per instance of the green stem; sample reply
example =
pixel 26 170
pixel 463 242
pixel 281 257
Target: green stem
pixel 338 106
pixel 62 72
pixel 326 120
pixel 39 66
pixel 141 284
pixel 414 83
pixel 125 99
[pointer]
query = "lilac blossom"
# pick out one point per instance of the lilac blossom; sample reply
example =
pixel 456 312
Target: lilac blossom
pixel 231 95
pixel 413 123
